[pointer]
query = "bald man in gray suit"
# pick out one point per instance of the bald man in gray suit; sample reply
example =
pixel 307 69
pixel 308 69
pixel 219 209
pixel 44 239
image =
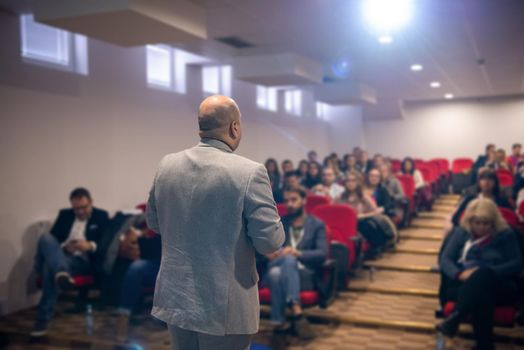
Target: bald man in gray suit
pixel 213 209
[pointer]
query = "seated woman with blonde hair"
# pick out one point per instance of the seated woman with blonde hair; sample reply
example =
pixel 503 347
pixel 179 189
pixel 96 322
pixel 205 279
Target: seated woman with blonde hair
pixel 480 263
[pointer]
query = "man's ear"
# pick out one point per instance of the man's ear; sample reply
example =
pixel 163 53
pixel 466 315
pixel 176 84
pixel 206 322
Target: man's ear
pixel 234 131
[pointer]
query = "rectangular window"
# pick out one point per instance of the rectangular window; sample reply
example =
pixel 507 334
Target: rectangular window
pixel 159 66
pixel 217 80
pixel 52 47
pixel 322 110
pixel 267 98
pixel 293 102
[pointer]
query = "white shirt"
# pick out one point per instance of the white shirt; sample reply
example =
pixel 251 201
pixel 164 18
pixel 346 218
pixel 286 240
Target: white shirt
pixel 335 190
pixel 469 244
pixel 78 233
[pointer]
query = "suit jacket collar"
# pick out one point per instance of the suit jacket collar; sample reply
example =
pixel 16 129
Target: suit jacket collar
pixel 308 225
pixel 221 145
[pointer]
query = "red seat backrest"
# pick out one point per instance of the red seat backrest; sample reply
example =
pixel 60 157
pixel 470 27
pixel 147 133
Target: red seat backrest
pixel 395 165
pixel 505 177
pixel 426 174
pixel 511 218
pixel 435 166
pixel 314 201
pixel 521 210
pixel 461 164
pixel 419 163
pixel 408 184
pixel 341 219
pixel 282 209
pixel 444 165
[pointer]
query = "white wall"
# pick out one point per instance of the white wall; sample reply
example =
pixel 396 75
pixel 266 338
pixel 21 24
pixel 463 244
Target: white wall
pixel 107 132
pixel 449 129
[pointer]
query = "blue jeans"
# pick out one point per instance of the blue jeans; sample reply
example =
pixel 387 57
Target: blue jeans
pixel 141 273
pixel 283 279
pixel 51 259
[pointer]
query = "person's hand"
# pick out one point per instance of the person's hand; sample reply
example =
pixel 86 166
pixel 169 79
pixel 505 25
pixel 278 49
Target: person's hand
pixel 464 275
pixel 274 255
pixel 129 250
pixel 82 246
pixel 70 247
pixel 380 210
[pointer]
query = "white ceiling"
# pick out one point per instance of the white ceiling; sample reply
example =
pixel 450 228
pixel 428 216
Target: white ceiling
pixel 446 36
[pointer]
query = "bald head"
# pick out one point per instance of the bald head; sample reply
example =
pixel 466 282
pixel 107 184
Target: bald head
pixel 219 118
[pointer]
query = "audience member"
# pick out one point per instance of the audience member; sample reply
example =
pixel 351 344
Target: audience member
pixel 372 224
pixel 291 180
pixel 408 168
pixel 501 160
pixel 374 188
pixel 364 164
pixel 293 267
pixel 328 187
pixel 314 176
pixel 378 160
pixel 287 165
pixel 273 173
pixel 303 169
pixel 350 164
pixel 488 186
pixel 332 162
pixel 68 250
pixel 312 157
pixel 514 158
pixel 480 262
pixel 483 161
pixel 131 260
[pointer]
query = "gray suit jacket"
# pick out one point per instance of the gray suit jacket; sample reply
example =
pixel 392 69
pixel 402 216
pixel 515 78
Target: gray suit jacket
pixel 213 209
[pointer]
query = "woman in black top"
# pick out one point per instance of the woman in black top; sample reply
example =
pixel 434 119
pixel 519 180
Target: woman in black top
pixel 488 186
pixel 314 175
pixel 303 169
pixel 382 197
pixel 273 172
pixel 480 263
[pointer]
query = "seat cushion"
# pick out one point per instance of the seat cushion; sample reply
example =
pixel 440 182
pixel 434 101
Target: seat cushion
pixel 307 297
pixel 504 316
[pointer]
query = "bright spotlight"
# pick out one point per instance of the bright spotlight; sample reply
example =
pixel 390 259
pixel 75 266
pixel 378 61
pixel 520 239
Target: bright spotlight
pixel 416 67
pixel 435 84
pixel 385 39
pixel 385 16
pixel 449 96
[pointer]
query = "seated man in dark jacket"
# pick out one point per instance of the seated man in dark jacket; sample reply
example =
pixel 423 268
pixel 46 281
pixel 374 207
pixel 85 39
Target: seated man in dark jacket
pixel 68 250
pixel 291 269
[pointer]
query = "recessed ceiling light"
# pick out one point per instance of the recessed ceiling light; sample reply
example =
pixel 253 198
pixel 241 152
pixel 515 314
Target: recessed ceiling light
pixel 435 84
pixel 382 15
pixel 385 39
pixel 449 96
pixel 416 67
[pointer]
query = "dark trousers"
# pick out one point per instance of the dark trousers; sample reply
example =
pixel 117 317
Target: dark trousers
pixel 141 273
pixel 372 232
pixel 51 259
pixel 477 296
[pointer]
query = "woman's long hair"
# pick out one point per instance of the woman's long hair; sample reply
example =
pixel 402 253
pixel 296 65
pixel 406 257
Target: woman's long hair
pixel 403 166
pixel 488 174
pixel 358 191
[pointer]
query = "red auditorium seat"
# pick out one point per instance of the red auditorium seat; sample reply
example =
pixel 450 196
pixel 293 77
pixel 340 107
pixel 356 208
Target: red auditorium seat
pixel 419 163
pixel 395 165
pixel 341 221
pixel 80 281
pixel 520 210
pixel 282 209
pixel 314 201
pixel 505 177
pixel 461 165
pixel 512 219
pixel 504 316
pixel 460 174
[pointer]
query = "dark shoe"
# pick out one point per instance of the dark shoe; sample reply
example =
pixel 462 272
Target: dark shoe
pixel 303 328
pixel 282 328
pixel 64 281
pixel 39 329
pixel 449 327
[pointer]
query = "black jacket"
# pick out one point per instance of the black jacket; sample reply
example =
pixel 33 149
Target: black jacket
pixel 500 253
pixel 94 228
pixel 385 200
